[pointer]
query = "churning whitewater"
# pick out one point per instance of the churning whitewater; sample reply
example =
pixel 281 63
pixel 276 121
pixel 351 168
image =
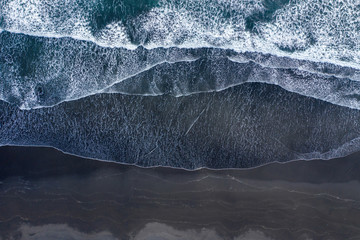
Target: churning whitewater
pixel 195 83
pixel 315 30
pixel 55 51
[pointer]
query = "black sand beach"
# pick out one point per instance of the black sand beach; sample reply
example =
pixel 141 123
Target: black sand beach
pixel 179 120
pixel 45 194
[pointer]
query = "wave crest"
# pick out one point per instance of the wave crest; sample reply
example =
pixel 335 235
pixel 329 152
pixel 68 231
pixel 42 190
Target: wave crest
pixel 309 30
pixel 38 72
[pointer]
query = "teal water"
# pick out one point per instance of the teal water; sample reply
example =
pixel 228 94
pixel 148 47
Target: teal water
pixel 109 11
pixel 56 54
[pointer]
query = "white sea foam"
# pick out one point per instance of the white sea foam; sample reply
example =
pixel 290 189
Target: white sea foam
pixel 63 67
pixel 307 35
pixel 344 150
pixel 281 126
pixel 312 30
pixel 224 74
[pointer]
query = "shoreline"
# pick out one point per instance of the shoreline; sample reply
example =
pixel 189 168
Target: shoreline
pixel 46 194
pixel 52 152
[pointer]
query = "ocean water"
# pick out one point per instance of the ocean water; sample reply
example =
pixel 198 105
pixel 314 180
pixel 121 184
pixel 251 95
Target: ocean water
pixel 187 84
pixel 243 126
pixel 179 119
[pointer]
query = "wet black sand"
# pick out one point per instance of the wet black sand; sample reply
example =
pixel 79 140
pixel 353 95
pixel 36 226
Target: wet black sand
pixel 45 194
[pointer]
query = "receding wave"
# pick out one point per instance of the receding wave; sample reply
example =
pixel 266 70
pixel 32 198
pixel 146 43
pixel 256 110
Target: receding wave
pixel 316 30
pixel 37 72
pixel 243 126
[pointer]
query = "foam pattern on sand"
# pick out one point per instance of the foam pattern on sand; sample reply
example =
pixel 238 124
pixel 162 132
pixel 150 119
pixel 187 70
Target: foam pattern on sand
pixel 243 126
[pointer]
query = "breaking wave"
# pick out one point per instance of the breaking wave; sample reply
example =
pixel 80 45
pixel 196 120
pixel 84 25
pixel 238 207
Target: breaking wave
pixel 226 75
pixel 79 48
pixel 38 72
pixel 312 30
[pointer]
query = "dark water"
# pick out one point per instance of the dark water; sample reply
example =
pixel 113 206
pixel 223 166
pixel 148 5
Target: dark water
pixel 244 126
pixel 187 84
pixel 38 72
pixel 193 83
pixel 45 194
pixel 53 51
